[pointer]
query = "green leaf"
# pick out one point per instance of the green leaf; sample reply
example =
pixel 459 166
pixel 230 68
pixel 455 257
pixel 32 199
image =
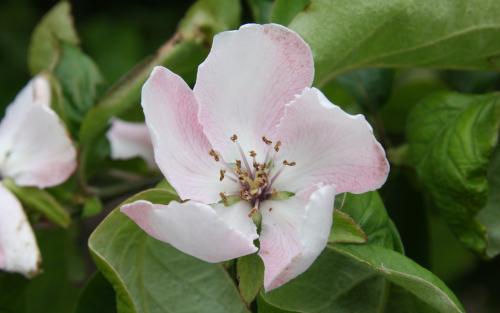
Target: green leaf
pixel 362 278
pixel 74 76
pixel 346 230
pixel 206 18
pixel 409 88
pixel 370 87
pixel 79 78
pixel 181 54
pixel 92 207
pixel 451 139
pixel 284 11
pixel 261 10
pixel 56 27
pixel 96 296
pixel 346 34
pixel 150 276
pixel 489 216
pixel 41 201
pixel 250 270
pixel 368 211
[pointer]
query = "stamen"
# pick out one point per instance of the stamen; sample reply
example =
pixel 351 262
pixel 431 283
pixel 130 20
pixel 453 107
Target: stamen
pixel 255 208
pixel 276 176
pixel 270 209
pixel 234 138
pixel 252 212
pixel 222 172
pixel 253 154
pixel 223 196
pixel 214 154
pixel 293 163
pixel 266 141
pixel 245 195
pixel 277 146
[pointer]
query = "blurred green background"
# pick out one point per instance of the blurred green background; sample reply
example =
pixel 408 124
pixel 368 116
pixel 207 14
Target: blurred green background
pixel 118 35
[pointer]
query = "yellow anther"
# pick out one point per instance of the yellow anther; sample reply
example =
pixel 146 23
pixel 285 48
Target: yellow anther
pixel 245 195
pixel 285 162
pixel 223 196
pixel 267 141
pixel 214 154
pixel 234 138
pixel 253 154
pixel 277 146
pixel 222 172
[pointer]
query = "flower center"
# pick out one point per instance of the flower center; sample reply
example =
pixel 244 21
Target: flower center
pixel 254 178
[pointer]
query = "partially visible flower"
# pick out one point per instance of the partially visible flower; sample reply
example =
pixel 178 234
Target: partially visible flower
pixel 253 139
pixel 35 150
pixel 129 140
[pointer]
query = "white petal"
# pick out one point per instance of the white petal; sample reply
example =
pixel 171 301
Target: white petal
pixel 329 146
pixel 35 149
pixel 180 146
pixel 294 232
pixel 129 140
pixel 18 249
pixel 243 85
pixel 210 233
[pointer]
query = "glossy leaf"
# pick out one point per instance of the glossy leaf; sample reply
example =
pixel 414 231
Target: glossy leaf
pixel 451 138
pixel 150 276
pixel 489 216
pixel 369 213
pixel 346 230
pixel 79 78
pixel 345 34
pixel 96 296
pixel 250 271
pixel 74 76
pixel 285 10
pixel 387 281
pixel 55 28
pixel 370 87
pixel 409 88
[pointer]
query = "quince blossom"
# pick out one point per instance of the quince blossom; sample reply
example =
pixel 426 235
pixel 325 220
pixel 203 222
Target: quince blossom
pixel 35 150
pixel 130 139
pixel 253 139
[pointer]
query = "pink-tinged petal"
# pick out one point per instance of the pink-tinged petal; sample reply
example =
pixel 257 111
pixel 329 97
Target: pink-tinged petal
pixel 294 232
pixel 129 140
pixel 35 148
pixel 210 233
pixel 329 146
pixel 180 146
pixel 18 248
pixel 243 85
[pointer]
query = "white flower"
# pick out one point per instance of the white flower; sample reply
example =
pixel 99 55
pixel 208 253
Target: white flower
pixel 128 140
pixel 35 150
pixel 253 132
